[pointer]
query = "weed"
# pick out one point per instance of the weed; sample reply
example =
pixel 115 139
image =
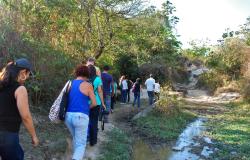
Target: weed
pixel 231 130
pixel 117 147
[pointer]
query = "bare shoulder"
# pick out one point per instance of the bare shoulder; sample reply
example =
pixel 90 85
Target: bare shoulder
pixel 86 85
pixel 21 90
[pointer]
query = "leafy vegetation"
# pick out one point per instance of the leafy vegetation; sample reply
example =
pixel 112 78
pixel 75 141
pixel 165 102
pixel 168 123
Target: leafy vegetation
pixel 56 35
pixel 166 121
pixel 162 127
pixel 231 131
pixel 117 147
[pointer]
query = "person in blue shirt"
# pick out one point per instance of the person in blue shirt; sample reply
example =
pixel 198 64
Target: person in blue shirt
pixel 77 115
pixel 107 81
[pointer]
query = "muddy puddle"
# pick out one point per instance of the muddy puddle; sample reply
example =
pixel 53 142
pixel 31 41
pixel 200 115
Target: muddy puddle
pixel 180 151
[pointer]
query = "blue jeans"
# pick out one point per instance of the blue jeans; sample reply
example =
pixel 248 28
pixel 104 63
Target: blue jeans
pixel 151 97
pixel 124 95
pixel 10 148
pixel 107 101
pixel 77 124
pixel 137 97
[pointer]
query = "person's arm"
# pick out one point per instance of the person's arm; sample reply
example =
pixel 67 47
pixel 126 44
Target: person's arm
pixel 112 86
pixel 120 82
pixel 100 93
pixel 154 84
pixel 141 89
pixel 91 96
pixel 23 108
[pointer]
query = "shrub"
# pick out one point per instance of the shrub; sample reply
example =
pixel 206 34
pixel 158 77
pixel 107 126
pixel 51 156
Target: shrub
pixel 212 80
pixel 52 67
pixel 232 86
pixel 167 104
pixel 246 89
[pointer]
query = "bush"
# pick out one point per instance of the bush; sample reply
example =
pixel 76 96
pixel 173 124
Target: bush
pixel 52 67
pixel 167 106
pixel 246 89
pixel 233 86
pixel 212 80
pixel 228 58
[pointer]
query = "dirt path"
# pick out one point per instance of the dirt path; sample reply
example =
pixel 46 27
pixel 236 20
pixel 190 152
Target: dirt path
pixel 122 114
pixel 92 153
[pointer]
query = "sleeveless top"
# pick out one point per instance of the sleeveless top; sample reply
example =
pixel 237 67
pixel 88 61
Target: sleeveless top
pixel 10 119
pixel 78 102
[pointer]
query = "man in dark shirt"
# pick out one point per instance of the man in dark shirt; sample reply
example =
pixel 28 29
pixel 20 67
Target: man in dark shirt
pixel 107 80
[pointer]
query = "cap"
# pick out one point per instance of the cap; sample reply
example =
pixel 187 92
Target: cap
pixel 24 63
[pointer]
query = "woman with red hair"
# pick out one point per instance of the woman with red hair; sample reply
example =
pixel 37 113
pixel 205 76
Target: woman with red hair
pixel 77 115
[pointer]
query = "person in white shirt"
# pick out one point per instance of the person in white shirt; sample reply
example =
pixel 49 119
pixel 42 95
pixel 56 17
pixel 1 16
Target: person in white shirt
pixel 124 88
pixel 157 90
pixel 150 84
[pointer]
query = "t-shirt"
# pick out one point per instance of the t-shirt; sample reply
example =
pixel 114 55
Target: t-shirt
pixel 137 87
pixel 150 84
pixel 124 84
pixel 98 71
pixel 115 88
pixel 97 83
pixel 157 88
pixel 106 81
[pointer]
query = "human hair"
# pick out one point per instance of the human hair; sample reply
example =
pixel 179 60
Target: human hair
pixel 106 68
pixel 91 59
pixel 9 75
pixel 138 79
pixel 92 71
pixel 81 71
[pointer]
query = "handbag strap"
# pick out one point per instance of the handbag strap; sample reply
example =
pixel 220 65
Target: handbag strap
pixel 68 87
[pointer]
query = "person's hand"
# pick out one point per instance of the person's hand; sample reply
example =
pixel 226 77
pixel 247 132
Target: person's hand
pixel 35 141
pixel 104 106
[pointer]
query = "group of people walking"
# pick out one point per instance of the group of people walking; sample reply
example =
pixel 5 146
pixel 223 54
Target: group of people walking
pixel 126 85
pixel 90 92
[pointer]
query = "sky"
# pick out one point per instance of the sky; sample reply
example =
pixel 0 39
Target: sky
pixel 207 19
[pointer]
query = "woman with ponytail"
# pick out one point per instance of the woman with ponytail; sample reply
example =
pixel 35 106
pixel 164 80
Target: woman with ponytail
pixel 14 109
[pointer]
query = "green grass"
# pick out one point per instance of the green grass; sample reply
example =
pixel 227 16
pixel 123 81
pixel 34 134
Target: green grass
pixel 231 130
pixel 161 126
pixel 117 147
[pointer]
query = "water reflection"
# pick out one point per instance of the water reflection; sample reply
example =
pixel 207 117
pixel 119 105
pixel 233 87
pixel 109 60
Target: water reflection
pixel 142 151
pixel 181 150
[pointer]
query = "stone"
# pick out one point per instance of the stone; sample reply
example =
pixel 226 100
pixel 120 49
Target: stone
pixel 206 151
pixel 207 140
pixel 233 153
pixel 177 148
